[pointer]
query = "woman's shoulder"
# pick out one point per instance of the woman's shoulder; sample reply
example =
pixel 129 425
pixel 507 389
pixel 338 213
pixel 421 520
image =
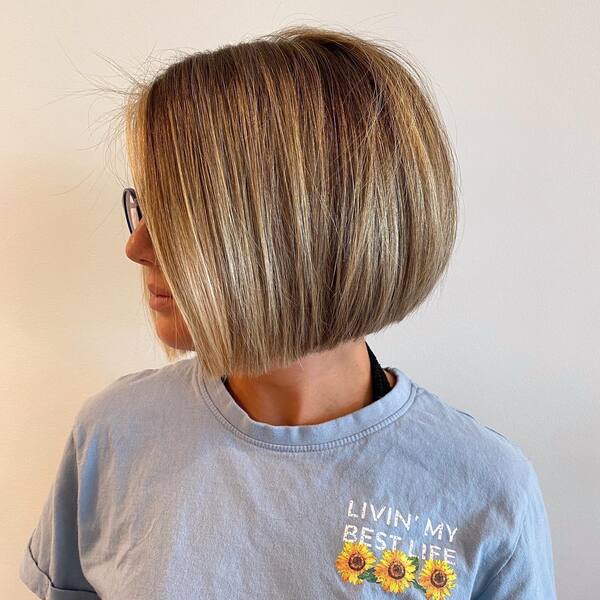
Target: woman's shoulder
pixel 468 451
pixel 136 395
pixel 462 428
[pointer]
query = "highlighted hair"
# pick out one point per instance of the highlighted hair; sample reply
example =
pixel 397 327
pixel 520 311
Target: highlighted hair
pixel 299 190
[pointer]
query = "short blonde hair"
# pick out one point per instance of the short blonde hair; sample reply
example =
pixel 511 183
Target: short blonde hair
pixel 299 190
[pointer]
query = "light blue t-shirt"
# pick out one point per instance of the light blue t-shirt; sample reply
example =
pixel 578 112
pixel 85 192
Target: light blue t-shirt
pixel 168 490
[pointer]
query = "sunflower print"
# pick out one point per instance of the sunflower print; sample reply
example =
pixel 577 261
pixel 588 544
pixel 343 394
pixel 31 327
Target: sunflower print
pixel 395 572
pixel 437 579
pixel 353 561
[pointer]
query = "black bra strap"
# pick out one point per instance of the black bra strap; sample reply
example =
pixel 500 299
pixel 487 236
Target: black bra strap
pixel 381 385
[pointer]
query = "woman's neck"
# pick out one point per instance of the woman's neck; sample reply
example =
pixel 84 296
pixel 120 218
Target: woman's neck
pixel 317 388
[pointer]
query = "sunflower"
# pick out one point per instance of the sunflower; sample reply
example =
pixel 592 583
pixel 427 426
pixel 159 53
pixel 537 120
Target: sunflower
pixel 395 571
pixel 354 559
pixel 437 579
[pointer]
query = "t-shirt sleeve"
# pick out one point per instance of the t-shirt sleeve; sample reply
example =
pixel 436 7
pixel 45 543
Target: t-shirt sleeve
pixel 529 572
pixel 51 564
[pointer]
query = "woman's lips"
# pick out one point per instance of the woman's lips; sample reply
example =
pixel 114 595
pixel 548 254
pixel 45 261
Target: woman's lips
pixel 157 301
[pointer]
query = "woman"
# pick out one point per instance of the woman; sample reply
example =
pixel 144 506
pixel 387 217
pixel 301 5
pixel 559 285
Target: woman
pixel 292 195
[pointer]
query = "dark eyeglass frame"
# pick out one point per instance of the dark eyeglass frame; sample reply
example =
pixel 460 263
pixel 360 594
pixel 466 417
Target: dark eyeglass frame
pixel 133 212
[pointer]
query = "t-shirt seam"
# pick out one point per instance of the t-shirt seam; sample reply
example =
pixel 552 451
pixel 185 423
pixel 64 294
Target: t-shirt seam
pixel 519 536
pixel 47 580
pixel 318 447
pixel 49 584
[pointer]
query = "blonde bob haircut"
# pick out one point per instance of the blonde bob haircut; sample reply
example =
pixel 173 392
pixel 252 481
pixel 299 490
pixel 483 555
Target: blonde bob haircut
pixel 299 190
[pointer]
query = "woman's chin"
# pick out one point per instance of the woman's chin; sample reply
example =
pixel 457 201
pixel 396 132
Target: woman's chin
pixel 170 333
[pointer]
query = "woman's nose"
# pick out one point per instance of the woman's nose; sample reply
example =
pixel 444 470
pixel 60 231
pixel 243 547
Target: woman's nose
pixel 139 247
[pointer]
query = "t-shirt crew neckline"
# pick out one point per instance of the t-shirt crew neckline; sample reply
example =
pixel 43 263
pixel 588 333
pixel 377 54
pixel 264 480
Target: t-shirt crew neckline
pixel 303 438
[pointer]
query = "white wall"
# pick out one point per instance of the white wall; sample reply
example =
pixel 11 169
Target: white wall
pixel 511 334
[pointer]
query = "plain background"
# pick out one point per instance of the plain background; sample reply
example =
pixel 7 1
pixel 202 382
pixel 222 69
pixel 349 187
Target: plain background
pixel 510 335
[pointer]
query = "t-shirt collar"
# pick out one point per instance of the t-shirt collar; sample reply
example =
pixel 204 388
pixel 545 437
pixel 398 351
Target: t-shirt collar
pixel 329 434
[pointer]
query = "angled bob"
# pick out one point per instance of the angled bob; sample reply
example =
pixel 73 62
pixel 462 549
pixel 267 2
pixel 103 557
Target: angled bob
pixel 299 190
